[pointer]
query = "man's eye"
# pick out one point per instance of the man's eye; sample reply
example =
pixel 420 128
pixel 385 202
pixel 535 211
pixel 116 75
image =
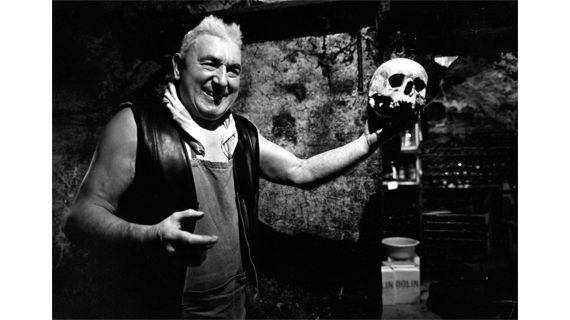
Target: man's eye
pixel 209 66
pixel 233 72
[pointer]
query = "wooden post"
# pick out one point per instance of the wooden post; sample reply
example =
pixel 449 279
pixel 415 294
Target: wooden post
pixel 359 61
pixel 382 32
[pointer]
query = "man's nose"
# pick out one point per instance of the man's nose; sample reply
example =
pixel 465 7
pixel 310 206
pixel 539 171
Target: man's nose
pixel 221 76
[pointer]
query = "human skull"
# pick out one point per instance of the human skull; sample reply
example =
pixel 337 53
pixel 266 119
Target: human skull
pixel 397 92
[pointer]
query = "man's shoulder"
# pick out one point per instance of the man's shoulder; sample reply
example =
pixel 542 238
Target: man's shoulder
pixel 123 123
pixel 132 117
pixel 118 140
pixel 148 115
pixel 242 123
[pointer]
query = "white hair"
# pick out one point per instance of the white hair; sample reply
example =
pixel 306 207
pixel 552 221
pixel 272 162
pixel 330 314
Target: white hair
pixel 213 26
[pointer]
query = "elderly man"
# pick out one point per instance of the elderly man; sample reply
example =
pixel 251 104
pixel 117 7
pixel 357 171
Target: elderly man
pixel 171 193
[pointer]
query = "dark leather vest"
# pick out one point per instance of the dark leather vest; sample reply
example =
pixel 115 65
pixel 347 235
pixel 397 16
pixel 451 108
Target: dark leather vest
pixel 163 184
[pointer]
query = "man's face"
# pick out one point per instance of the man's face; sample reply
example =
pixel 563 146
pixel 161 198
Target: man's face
pixel 209 76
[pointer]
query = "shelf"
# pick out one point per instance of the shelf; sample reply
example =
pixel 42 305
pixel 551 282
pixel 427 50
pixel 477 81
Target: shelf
pixel 410 150
pixel 403 183
pixel 471 187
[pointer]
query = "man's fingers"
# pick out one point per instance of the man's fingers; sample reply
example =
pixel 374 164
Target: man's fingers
pixel 197 241
pixel 187 219
pixel 189 214
pixel 192 248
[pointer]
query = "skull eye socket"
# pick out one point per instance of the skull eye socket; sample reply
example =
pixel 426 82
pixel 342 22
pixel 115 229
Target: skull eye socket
pixel 396 80
pixel 419 84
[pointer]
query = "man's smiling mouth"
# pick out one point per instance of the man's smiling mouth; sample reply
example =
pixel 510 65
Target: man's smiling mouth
pixel 216 97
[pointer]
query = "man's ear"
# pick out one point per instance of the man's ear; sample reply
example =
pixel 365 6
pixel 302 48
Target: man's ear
pixel 176 65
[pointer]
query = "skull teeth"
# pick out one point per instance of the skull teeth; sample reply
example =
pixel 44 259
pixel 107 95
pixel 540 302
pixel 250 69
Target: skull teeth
pixel 398 103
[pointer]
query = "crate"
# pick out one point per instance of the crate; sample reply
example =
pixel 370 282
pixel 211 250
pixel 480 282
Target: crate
pixel 446 233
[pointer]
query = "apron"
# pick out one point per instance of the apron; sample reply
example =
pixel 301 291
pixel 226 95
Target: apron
pixel 215 288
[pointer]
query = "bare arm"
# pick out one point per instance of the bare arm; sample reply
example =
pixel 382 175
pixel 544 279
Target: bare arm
pixel 281 166
pixel 93 218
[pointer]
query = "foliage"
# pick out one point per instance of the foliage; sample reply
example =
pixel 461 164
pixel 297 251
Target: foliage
pixel 479 94
pixel 508 62
pixel 65 181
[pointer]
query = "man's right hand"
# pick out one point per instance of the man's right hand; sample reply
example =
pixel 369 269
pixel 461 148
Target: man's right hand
pixel 175 238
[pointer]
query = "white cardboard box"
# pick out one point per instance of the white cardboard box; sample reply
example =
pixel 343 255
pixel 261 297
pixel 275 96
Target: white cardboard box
pixel 400 282
pixel 407 284
pixel 388 286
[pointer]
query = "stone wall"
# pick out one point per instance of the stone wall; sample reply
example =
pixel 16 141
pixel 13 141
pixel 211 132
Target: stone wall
pixel 286 92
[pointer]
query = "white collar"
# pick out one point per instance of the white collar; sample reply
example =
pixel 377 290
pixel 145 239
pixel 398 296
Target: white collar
pixel 181 116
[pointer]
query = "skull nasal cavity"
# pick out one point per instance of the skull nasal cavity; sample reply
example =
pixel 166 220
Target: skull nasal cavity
pixel 409 87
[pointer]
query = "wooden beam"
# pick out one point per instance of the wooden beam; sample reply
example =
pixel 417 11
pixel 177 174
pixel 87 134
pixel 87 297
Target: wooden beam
pixel 444 26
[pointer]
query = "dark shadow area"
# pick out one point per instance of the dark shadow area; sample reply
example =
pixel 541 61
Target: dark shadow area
pixel 346 274
pixel 476 290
